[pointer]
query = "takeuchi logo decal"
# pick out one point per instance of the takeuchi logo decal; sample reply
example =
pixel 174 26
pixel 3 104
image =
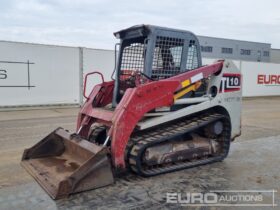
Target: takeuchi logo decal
pixel 268 79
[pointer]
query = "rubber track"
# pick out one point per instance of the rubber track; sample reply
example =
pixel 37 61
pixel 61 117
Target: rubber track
pixel 139 142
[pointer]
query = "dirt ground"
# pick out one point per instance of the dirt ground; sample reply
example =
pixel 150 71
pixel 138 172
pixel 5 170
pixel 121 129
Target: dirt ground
pixel 253 164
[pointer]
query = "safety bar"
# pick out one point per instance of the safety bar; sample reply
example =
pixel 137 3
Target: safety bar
pixel 85 82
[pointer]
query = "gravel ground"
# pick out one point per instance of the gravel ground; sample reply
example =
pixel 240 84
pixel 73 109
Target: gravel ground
pixel 253 164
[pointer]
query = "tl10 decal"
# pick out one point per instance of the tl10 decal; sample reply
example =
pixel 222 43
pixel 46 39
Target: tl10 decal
pixel 230 83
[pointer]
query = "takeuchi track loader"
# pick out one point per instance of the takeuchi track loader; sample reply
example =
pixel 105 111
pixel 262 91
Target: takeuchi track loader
pixel 162 112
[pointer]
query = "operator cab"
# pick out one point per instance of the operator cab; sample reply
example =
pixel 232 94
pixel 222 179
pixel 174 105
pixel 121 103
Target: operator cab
pixel 150 53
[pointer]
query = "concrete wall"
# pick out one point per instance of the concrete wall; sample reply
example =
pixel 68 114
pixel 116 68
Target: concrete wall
pixel 275 56
pixel 260 79
pixel 33 74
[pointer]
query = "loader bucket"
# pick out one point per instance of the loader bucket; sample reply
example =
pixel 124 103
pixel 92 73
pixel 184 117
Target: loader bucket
pixel 64 164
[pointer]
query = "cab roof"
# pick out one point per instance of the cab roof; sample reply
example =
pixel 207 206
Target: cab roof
pixel 145 30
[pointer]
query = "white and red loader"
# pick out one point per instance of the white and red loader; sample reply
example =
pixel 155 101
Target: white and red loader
pixel 162 112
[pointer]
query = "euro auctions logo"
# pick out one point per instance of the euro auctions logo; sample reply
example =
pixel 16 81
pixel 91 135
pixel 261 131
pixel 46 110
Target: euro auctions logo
pixel 268 79
pixel 240 198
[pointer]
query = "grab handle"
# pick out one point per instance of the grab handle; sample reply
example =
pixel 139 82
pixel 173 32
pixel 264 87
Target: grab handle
pixel 85 82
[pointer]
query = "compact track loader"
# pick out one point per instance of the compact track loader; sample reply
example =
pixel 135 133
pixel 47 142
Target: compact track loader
pixel 162 112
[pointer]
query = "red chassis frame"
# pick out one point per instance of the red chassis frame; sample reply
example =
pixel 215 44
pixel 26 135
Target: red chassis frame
pixel 132 107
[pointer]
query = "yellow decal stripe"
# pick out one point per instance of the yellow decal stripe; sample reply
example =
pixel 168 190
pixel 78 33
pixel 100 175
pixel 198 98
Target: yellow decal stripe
pixel 193 87
pixel 186 83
